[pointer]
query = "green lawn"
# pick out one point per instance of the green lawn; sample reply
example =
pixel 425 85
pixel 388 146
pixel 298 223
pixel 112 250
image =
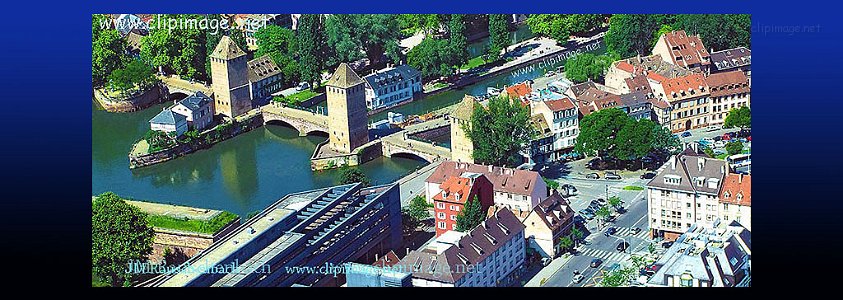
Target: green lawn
pixel 633 188
pixel 192 225
pixel 301 96
pixel 473 63
pixel 722 156
pixel 439 85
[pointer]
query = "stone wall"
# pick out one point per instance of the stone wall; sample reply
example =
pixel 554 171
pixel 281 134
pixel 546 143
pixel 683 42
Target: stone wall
pixel 138 101
pixel 184 245
pixel 430 134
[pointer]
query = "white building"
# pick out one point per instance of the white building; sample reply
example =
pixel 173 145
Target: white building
pixel 167 121
pixel 486 256
pixel 392 86
pixel 729 90
pixel 562 119
pixel 198 109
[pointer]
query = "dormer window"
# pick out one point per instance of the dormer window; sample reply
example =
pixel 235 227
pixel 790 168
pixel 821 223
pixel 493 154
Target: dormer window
pixel 672 179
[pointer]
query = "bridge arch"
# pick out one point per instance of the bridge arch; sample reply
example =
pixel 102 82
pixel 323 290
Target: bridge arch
pixel 177 95
pixel 282 123
pixel 317 132
pixel 410 155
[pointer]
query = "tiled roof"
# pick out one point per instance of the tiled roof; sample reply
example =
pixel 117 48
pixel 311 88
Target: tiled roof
pixel 689 48
pixel 656 102
pixel 470 250
pixel 578 89
pixel 652 67
pixel 391 75
pixel 727 83
pixel 560 104
pixel 196 101
pixel 594 99
pixel 737 186
pixel 453 186
pixel 633 99
pixel 519 90
pixel 555 211
pixel 227 49
pixel 688 169
pixel 638 84
pixel 685 87
pixel 344 77
pixel 168 117
pixel 731 58
pixel 513 181
pixel 465 108
pixel 262 68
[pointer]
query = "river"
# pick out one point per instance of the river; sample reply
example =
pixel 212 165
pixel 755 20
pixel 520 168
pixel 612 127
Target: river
pixel 225 176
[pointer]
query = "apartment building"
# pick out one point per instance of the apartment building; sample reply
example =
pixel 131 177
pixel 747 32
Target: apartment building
pixel 455 194
pixel 514 189
pixel 729 90
pixel 681 49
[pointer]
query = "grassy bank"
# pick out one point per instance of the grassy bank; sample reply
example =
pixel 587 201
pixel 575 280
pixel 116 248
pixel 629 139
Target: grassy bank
pixel 192 225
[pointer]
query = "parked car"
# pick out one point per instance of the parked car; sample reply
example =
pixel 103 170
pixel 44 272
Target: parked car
pixel 622 246
pixel 579 219
pixel 686 134
pixel 577 278
pixel 596 262
pixel 601 201
pixel 648 175
pixel 667 244
pixel 303 86
pixel 592 176
pixel 546 261
pixel 568 189
pixel 612 176
pixel 717 138
pixel 610 231
pixel 720 143
pixel 636 230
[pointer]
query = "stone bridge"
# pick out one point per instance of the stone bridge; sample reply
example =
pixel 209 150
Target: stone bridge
pixel 398 143
pixel 175 85
pixel 304 122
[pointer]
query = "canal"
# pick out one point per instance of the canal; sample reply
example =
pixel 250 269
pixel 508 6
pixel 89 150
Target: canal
pixel 240 175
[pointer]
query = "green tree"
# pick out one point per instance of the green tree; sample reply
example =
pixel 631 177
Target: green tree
pixel 427 23
pixel 561 26
pixel 353 175
pixel 280 44
pixel 136 74
pixel 431 58
pixel 614 201
pixel 419 208
pixel 471 216
pixel 602 214
pixel 658 34
pixel 618 278
pixel 665 141
pixel 311 41
pixel 738 117
pixel 120 234
pixel 99 23
pixel 181 50
pixel 718 31
pixel 708 151
pixel 587 66
pixel 457 42
pixel 499 132
pixel 634 140
pixel 341 35
pixel 108 55
pixel 630 35
pixel 734 147
pixel 551 184
pixel 598 131
pixel 499 32
pixel 576 234
pixel 565 243
pixel 651 248
pixel 378 34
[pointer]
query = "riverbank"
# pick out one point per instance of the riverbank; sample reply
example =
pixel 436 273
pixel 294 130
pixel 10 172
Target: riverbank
pixel 139 100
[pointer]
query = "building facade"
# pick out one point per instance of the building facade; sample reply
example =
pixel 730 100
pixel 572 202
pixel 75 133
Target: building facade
pixel 688 96
pixel 685 192
pixel 513 188
pixel 637 106
pixel 681 49
pixel 455 193
pixel 391 86
pixel 562 119
pixel 462 148
pixel 729 90
pixel 547 223
pixel 169 122
pixel 736 200
pixel 486 256
pixel 348 121
pixel 198 109
pixel 229 79
pixel 264 77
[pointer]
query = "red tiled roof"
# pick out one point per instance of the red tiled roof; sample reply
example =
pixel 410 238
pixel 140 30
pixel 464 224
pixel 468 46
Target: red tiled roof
pixel 513 181
pixel 689 48
pixel 594 99
pixel 656 76
pixel 728 83
pixel 519 90
pixel 453 186
pixel 625 66
pixel 734 185
pixel 689 86
pixel 638 84
pixel 560 104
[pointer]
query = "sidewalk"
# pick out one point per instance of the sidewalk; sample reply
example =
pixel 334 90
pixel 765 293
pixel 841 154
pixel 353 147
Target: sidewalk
pixel 548 271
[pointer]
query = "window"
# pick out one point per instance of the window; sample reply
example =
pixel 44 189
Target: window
pixel 454 217
pixel 440 205
pixel 441 215
pixel 441 225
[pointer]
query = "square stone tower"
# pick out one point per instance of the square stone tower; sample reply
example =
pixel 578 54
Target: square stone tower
pixel 461 146
pixel 229 79
pixel 347 115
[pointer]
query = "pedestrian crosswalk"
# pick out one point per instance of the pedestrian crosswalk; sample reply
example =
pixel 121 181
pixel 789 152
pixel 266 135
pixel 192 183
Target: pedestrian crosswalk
pixel 605 255
pixel 628 231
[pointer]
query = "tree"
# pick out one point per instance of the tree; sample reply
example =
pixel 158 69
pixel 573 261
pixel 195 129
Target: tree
pixel 565 243
pixel 617 278
pixel 734 147
pixel 651 248
pixel 427 23
pixel 499 132
pixel 431 58
pixel 311 41
pixel 551 184
pixel 499 32
pixel 656 36
pixel 598 131
pixel 665 141
pixel 587 66
pixel 135 74
pixel 471 216
pixel 378 34
pixel 418 208
pixel 353 175
pixel 577 234
pixel 339 30
pixel 561 26
pixel 738 117
pixel 634 139
pixel 280 44
pixel 615 201
pixel 708 151
pixel 630 35
pixel 120 234
pixel 602 214
pixel 108 55
pixel 457 42
pixel 717 31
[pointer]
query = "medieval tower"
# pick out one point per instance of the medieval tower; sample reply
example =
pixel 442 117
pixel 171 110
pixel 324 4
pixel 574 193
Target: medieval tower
pixel 347 115
pixel 461 145
pixel 229 79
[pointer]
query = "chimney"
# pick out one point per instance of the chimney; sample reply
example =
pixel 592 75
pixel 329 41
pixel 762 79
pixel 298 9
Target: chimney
pixel 673 163
pixel 700 163
pixel 740 177
pixel 490 168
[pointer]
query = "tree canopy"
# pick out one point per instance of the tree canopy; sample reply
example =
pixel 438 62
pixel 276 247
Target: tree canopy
pixel 717 31
pixel 500 132
pixel 630 35
pixel 587 66
pixel 738 117
pixel 108 54
pixel 182 50
pixel 281 45
pixel 561 26
pixel 135 74
pixel 311 41
pixel 120 234
pixel 499 32
pixel 431 57
pixel 471 216
pixel 734 147
pixel 350 175
pixel 457 41
pixel 610 132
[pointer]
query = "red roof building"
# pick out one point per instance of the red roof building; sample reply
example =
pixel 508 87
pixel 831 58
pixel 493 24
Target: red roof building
pixel 455 193
pixel 681 49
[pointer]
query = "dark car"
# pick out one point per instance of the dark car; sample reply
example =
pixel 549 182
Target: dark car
pixel 579 219
pixel 612 176
pixel 648 175
pixel 592 176
pixel 717 138
pixel 686 134
pixel 622 246
pixel 667 244
pixel 596 262
pixel 611 231
pixel 636 230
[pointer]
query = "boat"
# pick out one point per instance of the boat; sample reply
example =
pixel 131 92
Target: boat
pixel 493 91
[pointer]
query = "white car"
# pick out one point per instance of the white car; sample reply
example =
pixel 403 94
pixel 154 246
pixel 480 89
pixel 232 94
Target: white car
pixel 720 144
pixel 303 86
pixel 577 278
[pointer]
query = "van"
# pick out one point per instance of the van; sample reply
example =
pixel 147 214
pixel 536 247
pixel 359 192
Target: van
pixel 303 86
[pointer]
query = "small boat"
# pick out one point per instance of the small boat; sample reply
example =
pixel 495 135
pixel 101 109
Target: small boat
pixel 493 91
pixel 549 73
